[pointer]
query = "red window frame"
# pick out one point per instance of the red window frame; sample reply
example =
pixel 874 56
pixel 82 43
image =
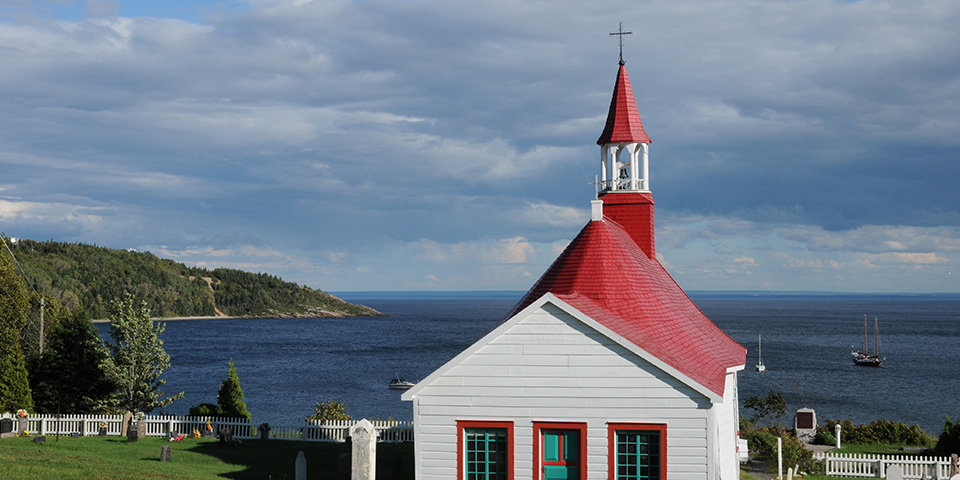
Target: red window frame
pixel 538 427
pixel 483 424
pixel 640 427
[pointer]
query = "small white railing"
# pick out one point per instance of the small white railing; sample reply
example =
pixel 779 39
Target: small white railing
pixel 164 425
pixel 863 465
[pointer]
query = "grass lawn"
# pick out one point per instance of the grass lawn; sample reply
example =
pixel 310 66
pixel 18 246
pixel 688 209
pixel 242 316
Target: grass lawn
pixel 878 448
pixel 115 458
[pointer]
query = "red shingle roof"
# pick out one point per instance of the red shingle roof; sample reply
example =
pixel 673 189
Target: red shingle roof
pixel 623 120
pixel 606 276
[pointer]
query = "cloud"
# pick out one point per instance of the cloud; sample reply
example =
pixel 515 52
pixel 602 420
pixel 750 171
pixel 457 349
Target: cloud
pixel 348 143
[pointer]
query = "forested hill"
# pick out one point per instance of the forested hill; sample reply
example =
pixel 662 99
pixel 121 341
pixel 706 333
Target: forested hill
pixel 91 276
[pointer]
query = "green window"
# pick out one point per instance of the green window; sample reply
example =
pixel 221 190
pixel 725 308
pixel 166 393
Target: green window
pixel 638 455
pixel 486 453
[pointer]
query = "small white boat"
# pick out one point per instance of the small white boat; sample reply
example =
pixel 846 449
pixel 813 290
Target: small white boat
pixel 400 384
pixel 760 366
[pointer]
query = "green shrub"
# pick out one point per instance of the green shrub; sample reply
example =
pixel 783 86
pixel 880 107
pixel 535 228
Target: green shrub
pixel 824 437
pixel 329 410
pixel 205 410
pixel 881 432
pixel 949 441
pixel 763 441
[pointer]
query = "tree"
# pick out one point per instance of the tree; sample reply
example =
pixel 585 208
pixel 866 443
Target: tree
pixel 72 376
pixel 230 397
pixel 773 406
pixel 137 356
pixel 949 441
pixel 14 305
pixel 329 410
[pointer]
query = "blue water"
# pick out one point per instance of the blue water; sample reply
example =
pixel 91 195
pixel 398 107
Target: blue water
pixel 286 366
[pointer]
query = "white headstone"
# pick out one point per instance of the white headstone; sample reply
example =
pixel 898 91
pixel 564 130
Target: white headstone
pixel 364 463
pixel 894 472
pixel 301 467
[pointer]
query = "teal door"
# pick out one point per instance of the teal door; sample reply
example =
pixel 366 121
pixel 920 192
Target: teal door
pixel 561 454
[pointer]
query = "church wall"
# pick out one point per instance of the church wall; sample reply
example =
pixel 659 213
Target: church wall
pixel 550 367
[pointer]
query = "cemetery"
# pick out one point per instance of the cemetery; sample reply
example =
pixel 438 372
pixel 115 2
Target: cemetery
pixel 149 449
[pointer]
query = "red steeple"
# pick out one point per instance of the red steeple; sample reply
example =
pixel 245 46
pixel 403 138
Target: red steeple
pixel 624 167
pixel 610 273
pixel 623 119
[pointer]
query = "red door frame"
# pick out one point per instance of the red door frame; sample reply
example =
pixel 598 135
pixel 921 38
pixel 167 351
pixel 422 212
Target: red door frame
pixel 538 428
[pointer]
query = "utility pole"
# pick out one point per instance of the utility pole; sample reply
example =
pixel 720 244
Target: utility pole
pixel 42 303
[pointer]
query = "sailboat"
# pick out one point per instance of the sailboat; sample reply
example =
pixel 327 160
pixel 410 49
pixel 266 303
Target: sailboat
pixel 760 366
pixel 863 357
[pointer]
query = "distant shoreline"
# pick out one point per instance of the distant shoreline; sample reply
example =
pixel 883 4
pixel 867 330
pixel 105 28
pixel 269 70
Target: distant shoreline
pixel 282 316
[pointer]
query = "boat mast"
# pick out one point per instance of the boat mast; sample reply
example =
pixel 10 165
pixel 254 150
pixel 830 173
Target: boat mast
pixel 865 352
pixel 876 337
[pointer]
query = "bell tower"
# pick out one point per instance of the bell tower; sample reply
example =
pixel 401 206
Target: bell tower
pixel 624 165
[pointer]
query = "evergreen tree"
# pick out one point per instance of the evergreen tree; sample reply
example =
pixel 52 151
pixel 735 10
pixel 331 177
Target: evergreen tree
pixel 230 397
pixel 72 375
pixel 14 305
pixel 138 358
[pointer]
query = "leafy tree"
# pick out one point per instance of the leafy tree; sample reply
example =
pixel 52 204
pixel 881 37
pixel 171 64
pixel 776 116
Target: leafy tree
pixel 329 410
pixel 138 358
pixel 230 397
pixel 949 441
pixel 72 376
pixel 14 305
pixel 773 407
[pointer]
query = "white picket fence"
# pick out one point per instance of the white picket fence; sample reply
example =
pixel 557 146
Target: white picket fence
pixel 163 425
pixel 863 465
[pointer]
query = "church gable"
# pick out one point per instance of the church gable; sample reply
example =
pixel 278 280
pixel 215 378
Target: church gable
pixel 548 357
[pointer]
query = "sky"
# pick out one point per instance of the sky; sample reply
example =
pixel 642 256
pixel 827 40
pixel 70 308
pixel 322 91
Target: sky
pixel 801 145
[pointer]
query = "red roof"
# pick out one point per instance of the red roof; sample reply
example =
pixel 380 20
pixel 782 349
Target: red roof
pixel 623 120
pixel 606 276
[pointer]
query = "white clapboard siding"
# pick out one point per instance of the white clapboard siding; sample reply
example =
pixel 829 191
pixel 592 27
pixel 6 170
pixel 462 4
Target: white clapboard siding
pixel 549 366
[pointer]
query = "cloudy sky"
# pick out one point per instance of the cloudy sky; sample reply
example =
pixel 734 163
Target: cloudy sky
pixel 809 145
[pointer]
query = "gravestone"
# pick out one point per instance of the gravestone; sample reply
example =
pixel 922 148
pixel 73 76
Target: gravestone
pixel 142 428
pixel 102 431
pixel 805 424
pixel 125 423
pixel 364 462
pixel 75 435
pixel 894 472
pixel 264 430
pixel 6 426
pixel 133 434
pixel 23 425
pixel 165 452
pixel 300 467
pixel 39 439
pixel 226 437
